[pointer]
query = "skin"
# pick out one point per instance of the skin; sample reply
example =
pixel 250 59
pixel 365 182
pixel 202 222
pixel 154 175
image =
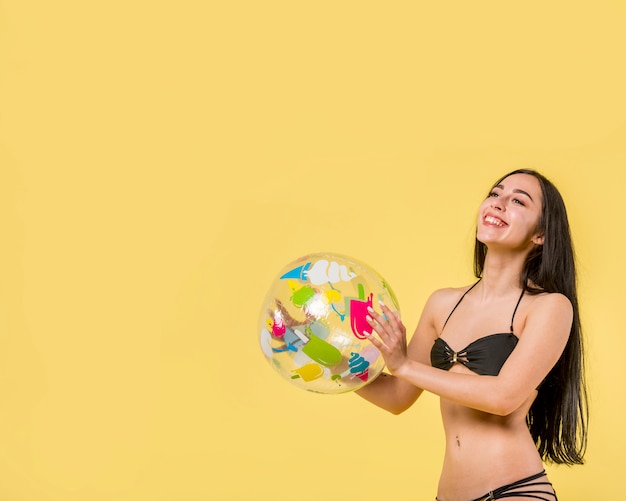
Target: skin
pixel 487 440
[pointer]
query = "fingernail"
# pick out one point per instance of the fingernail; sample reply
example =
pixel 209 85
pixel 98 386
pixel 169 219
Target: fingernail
pixel 368 318
pixel 381 303
pixel 370 309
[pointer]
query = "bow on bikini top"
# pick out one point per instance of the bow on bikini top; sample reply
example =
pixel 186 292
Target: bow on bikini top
pixel 485 356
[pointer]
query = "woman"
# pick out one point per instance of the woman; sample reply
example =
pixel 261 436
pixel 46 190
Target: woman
pixel 504 354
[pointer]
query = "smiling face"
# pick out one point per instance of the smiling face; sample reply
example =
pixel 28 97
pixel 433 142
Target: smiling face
pixel 510 215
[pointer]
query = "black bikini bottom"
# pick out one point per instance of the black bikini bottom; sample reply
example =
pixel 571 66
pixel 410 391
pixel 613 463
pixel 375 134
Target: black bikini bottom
pixel 527 487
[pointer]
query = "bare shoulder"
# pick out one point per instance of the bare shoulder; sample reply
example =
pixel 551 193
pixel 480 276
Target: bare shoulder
pixel 437 308
pixel 551 303
pixel 551 312
pixel 441 301
pixel 447 295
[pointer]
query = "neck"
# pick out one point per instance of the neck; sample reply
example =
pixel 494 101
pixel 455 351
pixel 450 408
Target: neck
pixel 501 272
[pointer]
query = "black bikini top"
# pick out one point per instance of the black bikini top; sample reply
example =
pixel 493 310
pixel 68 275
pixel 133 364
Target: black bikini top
pixel 485 356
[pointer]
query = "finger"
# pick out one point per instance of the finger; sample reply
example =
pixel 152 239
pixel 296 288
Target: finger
pixel 379 323
pixel 376 326
pixel 392 316
pixel 378 317
pixel 388 322
pixel 376 341
pixel 287 318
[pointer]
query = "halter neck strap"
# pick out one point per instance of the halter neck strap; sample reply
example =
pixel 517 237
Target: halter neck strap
pixel 465 294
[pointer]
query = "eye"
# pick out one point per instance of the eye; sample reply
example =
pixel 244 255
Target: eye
pixel 518 202
pixel 493 194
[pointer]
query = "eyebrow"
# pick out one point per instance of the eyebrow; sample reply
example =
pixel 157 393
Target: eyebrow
pixel 516 191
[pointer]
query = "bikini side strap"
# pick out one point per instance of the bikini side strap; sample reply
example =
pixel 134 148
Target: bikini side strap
pixel 457 304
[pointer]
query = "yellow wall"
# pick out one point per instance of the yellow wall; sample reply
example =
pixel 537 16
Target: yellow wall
pixel 160 161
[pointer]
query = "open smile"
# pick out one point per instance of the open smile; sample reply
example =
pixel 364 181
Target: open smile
pixel 494 221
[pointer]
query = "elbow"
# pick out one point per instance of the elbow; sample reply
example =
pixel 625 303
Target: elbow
pixel 403 403
pixel 501 410
pixel 505 404
pixel 397 410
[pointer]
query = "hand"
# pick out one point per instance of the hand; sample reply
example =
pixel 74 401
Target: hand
pixel 391 339
pixel 287 318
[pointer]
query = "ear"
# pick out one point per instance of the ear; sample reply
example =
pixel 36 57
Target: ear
pixel 538 239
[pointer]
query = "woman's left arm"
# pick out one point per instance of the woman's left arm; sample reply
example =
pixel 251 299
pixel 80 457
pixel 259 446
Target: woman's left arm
pixel 540 345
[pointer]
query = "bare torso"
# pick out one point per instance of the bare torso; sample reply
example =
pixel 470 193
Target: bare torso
pixel 483 450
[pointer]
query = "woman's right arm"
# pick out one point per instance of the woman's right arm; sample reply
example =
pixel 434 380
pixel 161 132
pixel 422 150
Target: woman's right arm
pixel 394 394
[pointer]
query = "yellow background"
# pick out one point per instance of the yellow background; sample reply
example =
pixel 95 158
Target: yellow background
pixel 160 161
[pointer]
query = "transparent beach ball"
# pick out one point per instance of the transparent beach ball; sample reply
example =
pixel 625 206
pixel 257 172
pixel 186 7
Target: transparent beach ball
pixel 312 323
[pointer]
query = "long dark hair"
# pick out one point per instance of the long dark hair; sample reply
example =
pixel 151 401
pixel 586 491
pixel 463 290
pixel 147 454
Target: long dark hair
pixel 558 417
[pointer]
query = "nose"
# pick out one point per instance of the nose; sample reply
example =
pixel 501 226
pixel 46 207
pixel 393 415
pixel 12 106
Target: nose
pixel 496 203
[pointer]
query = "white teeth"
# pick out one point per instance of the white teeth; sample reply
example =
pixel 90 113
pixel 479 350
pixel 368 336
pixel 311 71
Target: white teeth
pixel 494 220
